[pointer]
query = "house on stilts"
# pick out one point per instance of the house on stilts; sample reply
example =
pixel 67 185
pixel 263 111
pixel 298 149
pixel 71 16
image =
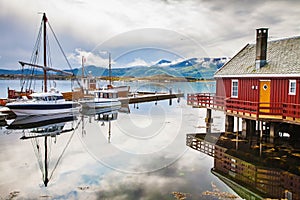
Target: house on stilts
pixel 261 83
pixel 259 87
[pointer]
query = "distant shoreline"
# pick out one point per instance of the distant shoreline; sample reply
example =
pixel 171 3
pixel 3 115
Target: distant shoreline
pixel 155 78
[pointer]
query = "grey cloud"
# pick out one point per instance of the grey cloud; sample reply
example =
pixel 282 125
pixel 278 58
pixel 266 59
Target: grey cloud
pixel 227 25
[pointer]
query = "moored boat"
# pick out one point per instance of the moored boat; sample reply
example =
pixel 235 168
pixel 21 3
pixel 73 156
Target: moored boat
pixel 46 102
pixel 101 99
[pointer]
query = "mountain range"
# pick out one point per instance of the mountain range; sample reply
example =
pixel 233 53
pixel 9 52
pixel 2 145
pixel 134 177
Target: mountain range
pixel 196 68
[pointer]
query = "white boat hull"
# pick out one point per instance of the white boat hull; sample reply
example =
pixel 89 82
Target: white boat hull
pixel 23 109
pixel 24 112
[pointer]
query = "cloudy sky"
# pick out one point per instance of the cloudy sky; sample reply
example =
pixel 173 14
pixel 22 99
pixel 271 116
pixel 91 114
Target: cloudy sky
pixel 142 32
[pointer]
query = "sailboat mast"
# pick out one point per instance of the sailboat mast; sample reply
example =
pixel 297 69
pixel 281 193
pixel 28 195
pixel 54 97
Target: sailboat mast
pixel 45 51
pixel 82 69
pixel 109 69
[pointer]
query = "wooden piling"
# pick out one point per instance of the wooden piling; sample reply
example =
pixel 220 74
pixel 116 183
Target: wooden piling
pixel 208 120
pixel 229 123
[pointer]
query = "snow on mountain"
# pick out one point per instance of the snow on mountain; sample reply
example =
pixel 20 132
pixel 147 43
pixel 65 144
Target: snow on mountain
pixel 204 62
pixel 163 63
pixel 198 68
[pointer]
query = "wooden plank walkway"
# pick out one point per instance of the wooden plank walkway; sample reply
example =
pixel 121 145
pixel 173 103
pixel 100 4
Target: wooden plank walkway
pixel 146 97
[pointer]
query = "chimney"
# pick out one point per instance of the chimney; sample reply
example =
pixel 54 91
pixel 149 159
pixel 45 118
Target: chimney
pixel 261 47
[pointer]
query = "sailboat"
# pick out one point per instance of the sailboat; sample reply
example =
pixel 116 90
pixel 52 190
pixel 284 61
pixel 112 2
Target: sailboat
pixel 46 102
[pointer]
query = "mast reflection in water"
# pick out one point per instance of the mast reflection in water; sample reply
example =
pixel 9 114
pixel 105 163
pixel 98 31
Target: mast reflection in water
pixel 41 130
pixel 254 167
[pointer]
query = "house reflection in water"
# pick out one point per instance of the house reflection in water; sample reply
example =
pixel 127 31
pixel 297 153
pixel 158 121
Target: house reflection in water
pixel 255 169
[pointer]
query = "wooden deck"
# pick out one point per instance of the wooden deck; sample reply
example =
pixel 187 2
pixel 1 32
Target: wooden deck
pixel 273 111
pixel 148 96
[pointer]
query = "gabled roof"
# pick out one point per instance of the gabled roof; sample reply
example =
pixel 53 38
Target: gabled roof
pixel 283 59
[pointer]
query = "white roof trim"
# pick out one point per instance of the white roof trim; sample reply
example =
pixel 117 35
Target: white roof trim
pixel 256 75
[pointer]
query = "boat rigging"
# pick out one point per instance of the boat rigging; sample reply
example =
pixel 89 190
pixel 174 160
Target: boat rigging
pixel 46 102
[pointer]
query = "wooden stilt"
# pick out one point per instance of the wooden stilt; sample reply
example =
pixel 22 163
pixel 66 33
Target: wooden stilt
pixel 208 120
pixel 229 123
pixel 244 127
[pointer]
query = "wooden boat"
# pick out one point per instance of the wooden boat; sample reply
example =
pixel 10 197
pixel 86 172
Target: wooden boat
pixel 89 86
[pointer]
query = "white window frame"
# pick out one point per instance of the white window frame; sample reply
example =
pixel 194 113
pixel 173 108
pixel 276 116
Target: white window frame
pixel 290 87
pixel 237 88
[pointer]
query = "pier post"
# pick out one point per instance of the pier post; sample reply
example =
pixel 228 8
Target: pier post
pixel 251 127
pixel 261 130
pixel 208 120
pixel 237 125
pixel 272 132
pixel 170 100
pixel 229 123
pixel 257 127
pixel 237 133
pixel 244 127
pixel 179 92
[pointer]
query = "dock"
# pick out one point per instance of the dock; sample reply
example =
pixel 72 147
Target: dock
pixel 141 97
pixel 133 98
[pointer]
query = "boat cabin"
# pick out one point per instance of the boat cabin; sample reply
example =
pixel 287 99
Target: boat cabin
pixel 106 94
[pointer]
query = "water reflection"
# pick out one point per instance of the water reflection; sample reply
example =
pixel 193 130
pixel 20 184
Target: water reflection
pixel 111 154
pixel 101 116
pixel 254 167
pixel 43 130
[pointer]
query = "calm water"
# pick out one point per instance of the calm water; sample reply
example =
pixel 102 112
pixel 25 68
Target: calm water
pixel 140 154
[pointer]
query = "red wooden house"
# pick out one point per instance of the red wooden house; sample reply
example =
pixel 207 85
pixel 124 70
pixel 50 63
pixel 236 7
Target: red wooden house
pixel 261 82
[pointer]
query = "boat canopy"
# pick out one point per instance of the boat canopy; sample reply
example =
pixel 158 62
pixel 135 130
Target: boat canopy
pixel 48 96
